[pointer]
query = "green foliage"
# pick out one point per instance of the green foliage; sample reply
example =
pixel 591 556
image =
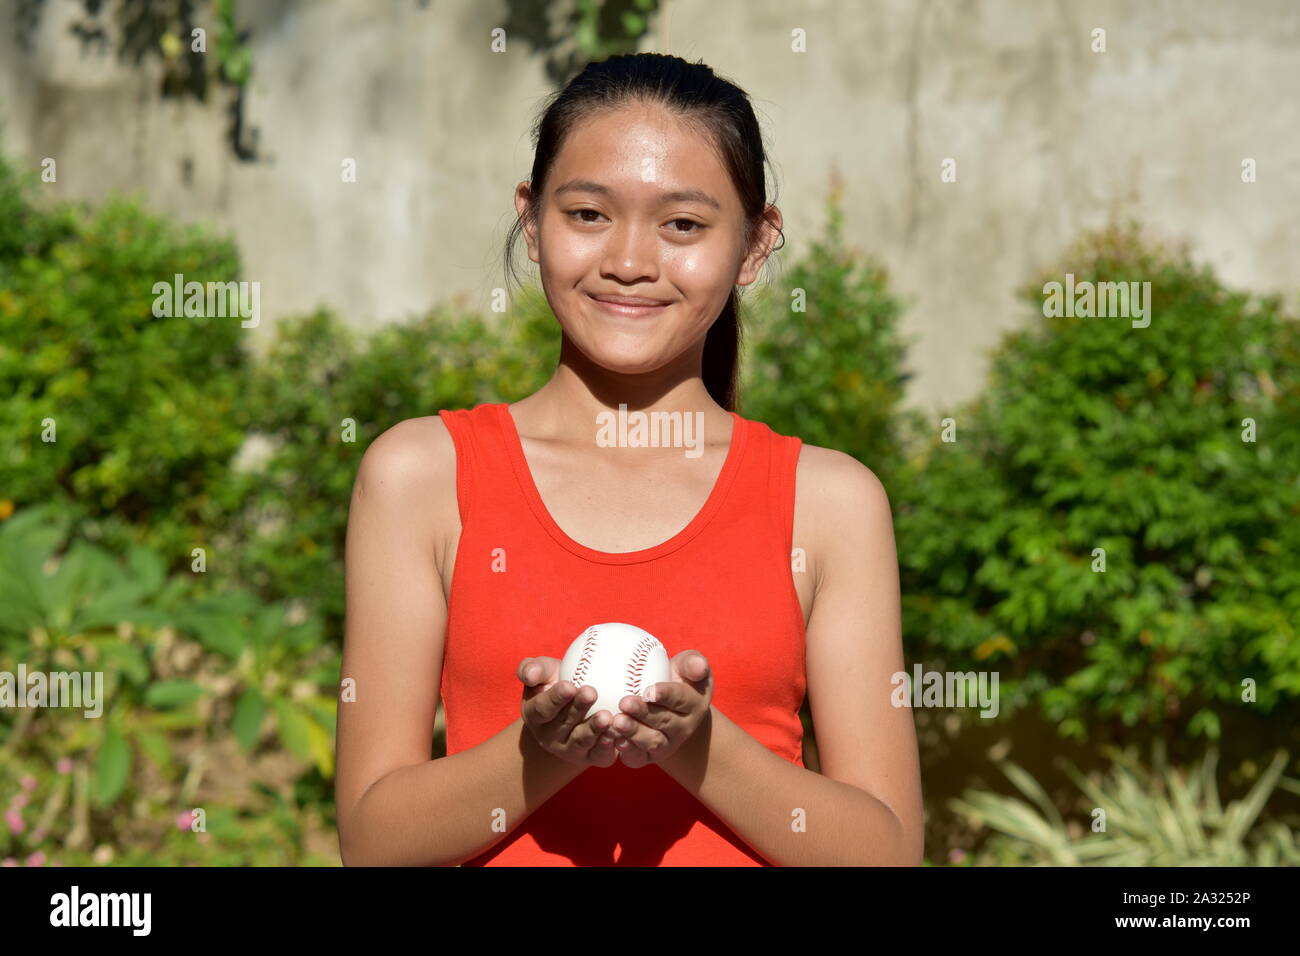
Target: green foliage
pixel 602 28
pixel 145 411
pixel 1161 817
pixel 163 29
pixel 160 39
pixel 823 355
pixel 233 56
pixel 179 668
pixel 569 34
pixel 1095 434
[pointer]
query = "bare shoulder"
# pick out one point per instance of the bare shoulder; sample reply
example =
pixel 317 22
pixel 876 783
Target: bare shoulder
pixel 841 503
pixel 839 484
pixel 411 455
pixel 409 472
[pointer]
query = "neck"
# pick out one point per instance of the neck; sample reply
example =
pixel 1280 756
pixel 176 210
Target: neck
pixel 567 406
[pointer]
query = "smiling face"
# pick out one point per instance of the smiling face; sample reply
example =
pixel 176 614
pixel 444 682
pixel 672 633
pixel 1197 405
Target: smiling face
pixel 639 206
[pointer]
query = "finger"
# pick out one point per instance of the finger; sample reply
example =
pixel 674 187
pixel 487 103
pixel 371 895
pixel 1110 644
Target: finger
pixel 575 710
pixel 670 697
pixel 534 670
pixel 592 735
pixel 602 754
pixel 637 736
pixel 640 712
pixel 692 666
pixel 576 724
pixel 539 675
pixel 554 703
pixel 633 757
pixel 641 747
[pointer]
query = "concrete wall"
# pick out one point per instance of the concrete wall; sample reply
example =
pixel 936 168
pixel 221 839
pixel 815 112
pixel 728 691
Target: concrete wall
pixel 1048 136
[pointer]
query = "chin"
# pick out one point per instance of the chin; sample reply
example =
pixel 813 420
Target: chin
pixel 630 366
pixel 626 361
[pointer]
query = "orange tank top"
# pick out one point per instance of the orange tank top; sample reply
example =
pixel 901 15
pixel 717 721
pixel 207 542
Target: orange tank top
pixel 722 585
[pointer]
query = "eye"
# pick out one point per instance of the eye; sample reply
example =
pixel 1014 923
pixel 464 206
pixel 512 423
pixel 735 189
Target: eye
pixel 577 214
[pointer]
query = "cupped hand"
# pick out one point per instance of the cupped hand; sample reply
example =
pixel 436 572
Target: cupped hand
pixel 556 713
pixel 656 730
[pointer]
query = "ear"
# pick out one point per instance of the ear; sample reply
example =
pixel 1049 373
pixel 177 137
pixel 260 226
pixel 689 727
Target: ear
pixel 523 196
pixel 767 233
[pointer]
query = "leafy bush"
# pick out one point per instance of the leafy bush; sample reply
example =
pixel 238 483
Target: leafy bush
pixel 831 374
pixel 151 411
pixel 146 410
pixel 183 673
pixel 1094 434
pixel 1165 817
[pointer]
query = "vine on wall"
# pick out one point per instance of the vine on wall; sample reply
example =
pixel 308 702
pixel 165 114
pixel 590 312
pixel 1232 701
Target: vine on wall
pixel 198 43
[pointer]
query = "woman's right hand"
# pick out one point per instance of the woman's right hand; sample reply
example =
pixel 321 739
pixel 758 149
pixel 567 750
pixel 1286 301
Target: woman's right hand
pixel 556 713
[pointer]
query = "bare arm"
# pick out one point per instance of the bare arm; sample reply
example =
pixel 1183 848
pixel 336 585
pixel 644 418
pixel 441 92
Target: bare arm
pixel 395 805
pixel 865 807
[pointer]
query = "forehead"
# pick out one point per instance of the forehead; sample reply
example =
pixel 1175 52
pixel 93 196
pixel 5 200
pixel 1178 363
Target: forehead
pixel 640 145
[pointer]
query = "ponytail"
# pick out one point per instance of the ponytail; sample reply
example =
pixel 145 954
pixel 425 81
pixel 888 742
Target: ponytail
pixel 722 355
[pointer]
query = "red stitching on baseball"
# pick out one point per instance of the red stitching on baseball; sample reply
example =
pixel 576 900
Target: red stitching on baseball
pixel 584 661
pixel 636 666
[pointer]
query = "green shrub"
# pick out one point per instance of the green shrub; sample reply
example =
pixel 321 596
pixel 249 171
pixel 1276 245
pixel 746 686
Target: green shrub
pixel 831 374
pixel 183 673
pixel 146 410
pixel 1165 817
pixel 151 411
pixel 1095 434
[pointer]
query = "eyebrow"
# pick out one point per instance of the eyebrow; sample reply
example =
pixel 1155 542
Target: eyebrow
pixel 677 195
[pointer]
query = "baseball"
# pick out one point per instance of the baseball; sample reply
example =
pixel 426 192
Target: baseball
pixel 616 659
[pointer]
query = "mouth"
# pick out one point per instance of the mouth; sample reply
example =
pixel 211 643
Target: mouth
pixel 635 308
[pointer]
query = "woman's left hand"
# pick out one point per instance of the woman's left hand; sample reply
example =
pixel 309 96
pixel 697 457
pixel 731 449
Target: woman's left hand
pixel 654 731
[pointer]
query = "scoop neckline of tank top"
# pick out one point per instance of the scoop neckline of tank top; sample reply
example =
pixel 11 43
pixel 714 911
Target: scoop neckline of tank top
pixel 524 476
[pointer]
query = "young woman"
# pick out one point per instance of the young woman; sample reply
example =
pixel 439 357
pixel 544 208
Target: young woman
pixel 482 541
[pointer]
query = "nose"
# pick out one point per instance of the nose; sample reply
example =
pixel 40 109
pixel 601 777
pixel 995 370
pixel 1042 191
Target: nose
pixel 630 254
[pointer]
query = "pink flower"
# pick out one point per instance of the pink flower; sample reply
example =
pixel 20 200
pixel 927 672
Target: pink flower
pixel 956 856
pixel 9 861
pixel 64 765
pixel 184 819
pixel 29 782
pixel 37 858
pixel 19 801
pixel 39 834
pixel 15 820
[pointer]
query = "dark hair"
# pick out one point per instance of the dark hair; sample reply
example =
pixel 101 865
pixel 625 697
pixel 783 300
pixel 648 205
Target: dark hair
pixel 694 92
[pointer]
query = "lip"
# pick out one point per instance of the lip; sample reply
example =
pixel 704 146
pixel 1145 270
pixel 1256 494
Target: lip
pixel 623 308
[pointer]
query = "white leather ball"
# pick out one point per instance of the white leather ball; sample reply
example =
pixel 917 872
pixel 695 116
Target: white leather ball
pixel 618 660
